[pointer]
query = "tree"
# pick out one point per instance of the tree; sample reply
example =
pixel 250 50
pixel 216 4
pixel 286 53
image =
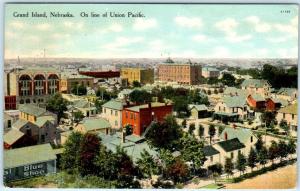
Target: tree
pixel 70 155
pixel 291 147
pixel 180 105
pixel 267 117
pixel 57 104
pixel 164 134
pixel 283 125
pixel 273 151
pixel 147 165
pixel 128 130
pixel 184 123
pixel 228 167
pixel 98 104
pixel 191 128
pixel 178 171
pixel 88 151
pixel 136 84
pixel 79 90
pixel 192 151
pixel 220 130
pixel 228 80
pixel 78 116
pixel 263 156
pixel 241 162
pixel 252 159
pixel 259 144
pixel 211 132
pixel 166 158
pixel 140 96
pixel 282 150
pixel 201 130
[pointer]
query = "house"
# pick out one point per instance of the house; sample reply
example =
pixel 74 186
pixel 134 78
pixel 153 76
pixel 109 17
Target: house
pixel 212 156
pixel 289 94
pixel 273 104
pixel 229 149
pixel 93 125
pixel 124 94
pixel 87 108
pixel 245 136
pixel 28 162
pixel 232 109
pixel 257 86
pixel 256 101
pixel 209 72
pixel 233 91
pixel 290 115
pixel 112 111
pixel 141 116
pixel 37 124
pixel 10 117
pixel 14 139
pixel 198 111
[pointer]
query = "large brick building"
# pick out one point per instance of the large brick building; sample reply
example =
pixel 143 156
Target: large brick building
pixel 144 76
pixel 185 73
pixel 140 117
pixel 72 80
pixel 33 85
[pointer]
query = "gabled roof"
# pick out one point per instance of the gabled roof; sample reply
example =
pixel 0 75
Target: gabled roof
pixel 291 109
pixel 231 145
pixel 114 104
pixel 258 83
pixel 257 97
pixel 32 110
pixel 20 123
pixel 281 101
pixel 233 91
pixel 12 136
pixel 201 107
pixel 209 150
pixel 28 155
pixel 138 107
pixel 81 103
pixel 91 124
pixel 242 134
pixel 287 91
pixel 40 121
pixel 235 101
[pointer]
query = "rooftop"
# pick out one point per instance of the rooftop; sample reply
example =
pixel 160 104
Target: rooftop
pixel 209 150
pixel 12 136
pixel 138 107
pixel 242 134
pixel 114 104
pixel 201 107
pixel 291 109
pixel 287 91
pixel 257 97
pixel 258 83
pixel 235 101
pixel 28 155
pixel 32 110
pixel 91 124
pixel 231 145
pixel 210 69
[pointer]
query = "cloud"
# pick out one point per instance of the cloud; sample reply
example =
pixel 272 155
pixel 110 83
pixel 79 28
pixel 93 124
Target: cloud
pixel 221 52
pixel 73 25
pixel 278 39
pixel 43 27
pixel 144 24
pixel 288 53
pixel 229 26
pixel 291 28
pixel 189 22
pixel 259 26
pixel 120 42
pixel 115 28
pixel 200 38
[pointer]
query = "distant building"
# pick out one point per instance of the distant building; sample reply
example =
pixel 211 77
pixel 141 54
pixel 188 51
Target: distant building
pixel 28 162
pixel 112 111
pixel 124 94
pixel 198 111
pixel 289 94
pixel 93 125
pixel 209 72
pixel 33 85
pixel 141 116
pixel 72 80
pixel 212 156
pixel 290 115
pixel 256 101
pixel 10 117
pixel 257 86
pixel 188 73
pixel 144 76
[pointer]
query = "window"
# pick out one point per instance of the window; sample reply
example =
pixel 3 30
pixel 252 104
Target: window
pixel 104 110
pixel 211 158
pixel 116 123
pixel 219 108
pixel 131 115
pixel 116 113
pixel 111 111
pixel 283 115
pixel 231 155
pixel 126 114
pixel 42 138
pixel 293 116
pixel 251 139
pixel 134 116
pixel 9 124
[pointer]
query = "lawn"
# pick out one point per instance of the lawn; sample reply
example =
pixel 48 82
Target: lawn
pixel 212 186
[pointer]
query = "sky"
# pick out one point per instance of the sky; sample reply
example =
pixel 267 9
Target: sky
pixel 187 31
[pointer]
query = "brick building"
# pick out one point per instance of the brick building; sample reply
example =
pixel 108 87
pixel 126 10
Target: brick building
pixel 144 76
pixel 140 117
pixel 185 73
pixel 10 102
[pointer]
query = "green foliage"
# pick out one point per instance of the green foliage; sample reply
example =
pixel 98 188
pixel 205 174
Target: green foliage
pixel 88 151
pixel 140 96
pixel 79 90
pixel 211 132
pixel 228 167
pixel 98 104
pixel 165 134
pixel 192 127
pixel 70 156
pixel 78 116
pixel 213 80
pixel 128 130
pixel 254 72
pixel 201 130
pixel 180 105
pixel 183 124
pixel 216 168
pixel 263 156
pixel 283 125
pixel 57 104
pixel 220 129
pixel 273 151
pixel 267 117
pixel 166 158
pixel 241 162
pixel 282 149
pixel 136 84
pixel 252 158
pixel 147 165
pixel 178 171
pixel 228 80
pixel 291 147
pixel 259 144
